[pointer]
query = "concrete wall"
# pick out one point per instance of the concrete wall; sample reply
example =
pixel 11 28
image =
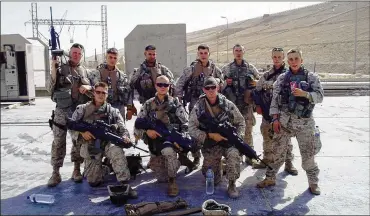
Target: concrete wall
pixel 170 40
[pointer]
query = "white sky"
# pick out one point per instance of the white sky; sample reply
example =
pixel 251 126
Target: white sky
pixel 124 16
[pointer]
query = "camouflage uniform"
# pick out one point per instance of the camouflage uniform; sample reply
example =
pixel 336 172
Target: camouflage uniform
pixel 238 93
pixel 118 86
pixel 66 97
pixel 163 161
pixel 224 110
pixel 143 80
pixel 264 86
pixel 295 116
pixel 189 86
pixel 93 156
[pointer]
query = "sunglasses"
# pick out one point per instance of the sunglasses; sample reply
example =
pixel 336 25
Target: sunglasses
pixel 165 85
pixel 277 49
pixel 101 92
pixel 210 87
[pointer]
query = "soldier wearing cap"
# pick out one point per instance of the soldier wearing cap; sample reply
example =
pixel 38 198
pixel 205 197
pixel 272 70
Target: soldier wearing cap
pixel 143 79
pixel 221 110
pixel 118 87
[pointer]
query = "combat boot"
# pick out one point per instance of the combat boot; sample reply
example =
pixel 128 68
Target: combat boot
pixel 232 191
pixel 55 178
pixel 266 182
pixel 315 189
pixel 76 175
pixel 289 168
pixel 173 189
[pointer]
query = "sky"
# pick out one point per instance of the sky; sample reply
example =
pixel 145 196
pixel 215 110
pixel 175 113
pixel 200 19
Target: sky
pixel 124 16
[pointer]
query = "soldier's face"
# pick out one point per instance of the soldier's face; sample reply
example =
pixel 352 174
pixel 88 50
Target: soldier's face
pixel 203 55
pixel 75 54
pixel 277 58
pixel 100 94
pixel 112 59
pixel 162 86
pixel 150 55
pixel 238 53
pixel 295 61
pixel 210 91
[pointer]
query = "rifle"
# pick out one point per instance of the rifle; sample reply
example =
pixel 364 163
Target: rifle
pixel 101 131
pixel 228 131
pixel 257 97
pixel 172 137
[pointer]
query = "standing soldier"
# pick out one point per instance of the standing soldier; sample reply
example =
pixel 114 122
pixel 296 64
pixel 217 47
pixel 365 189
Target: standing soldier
pixel 68 88
pixel 221 110
pixel 143 79
pixel 264 92
pixel 118 86
pixel 170 111
pixel 189 86
pixel 299 90
pixel 240 79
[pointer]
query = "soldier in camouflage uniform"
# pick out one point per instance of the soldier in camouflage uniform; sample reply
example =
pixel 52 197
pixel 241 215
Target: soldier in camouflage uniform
pixel 220 108
pixel 240 79
pixel 99 109
pixel 118 86
pixel 143 79
pixel 189 86
pixel 69 88
pixel 169 110
pixel 264 87
pixel 295 94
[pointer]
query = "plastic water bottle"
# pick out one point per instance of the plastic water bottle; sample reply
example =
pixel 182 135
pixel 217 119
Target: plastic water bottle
pixel 210 187
pixel 317 131
pixel 41 198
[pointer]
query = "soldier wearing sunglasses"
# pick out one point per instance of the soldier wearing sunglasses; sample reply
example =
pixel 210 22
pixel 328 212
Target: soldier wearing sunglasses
pixel 221 109
pixel 99 109
pixel 118 86
pixel 189 86
pixel 144 77
pixel 240 79
pixel 295 94
pixel 169 110
pixel 264 87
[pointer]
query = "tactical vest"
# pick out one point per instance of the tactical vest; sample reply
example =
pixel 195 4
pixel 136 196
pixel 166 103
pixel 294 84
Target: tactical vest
pixel 146 81
pixel 69 81
pixel 299 106
pixel 116 93
pixel 166 112
pixel 241 76
pixel 103 113
pixel 220 112
pixel 194 87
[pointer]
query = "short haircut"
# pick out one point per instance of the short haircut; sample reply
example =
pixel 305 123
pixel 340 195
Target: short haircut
pixel 295 51
pixel 112 51
pixel 238 46
pixel 77 45
pixel 162 77
pixel 150 47
pixel 101 84
pixel 203 46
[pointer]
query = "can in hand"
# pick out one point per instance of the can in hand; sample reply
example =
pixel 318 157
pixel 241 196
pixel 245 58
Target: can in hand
pixel 293 85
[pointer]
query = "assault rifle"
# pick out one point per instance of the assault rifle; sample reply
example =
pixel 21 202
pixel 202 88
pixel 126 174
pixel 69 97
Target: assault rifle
pixel 260 100
pixel 229 132
pixel 172 138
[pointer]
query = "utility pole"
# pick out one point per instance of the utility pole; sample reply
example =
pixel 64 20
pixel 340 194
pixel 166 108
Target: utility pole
pixel 355 57
pixel 227 36
pixel 217 45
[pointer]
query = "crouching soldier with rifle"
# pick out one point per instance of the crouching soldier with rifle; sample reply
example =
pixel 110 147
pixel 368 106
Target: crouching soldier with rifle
pixel 67 94
pixel 118 86
pixel 221 110
pixel 169 110
pixel 92 148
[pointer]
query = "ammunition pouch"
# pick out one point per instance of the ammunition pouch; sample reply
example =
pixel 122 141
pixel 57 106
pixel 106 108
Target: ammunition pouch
pixel 300 106
pixel 151 208
pixel 63 98
pixel 123 94
pixel 211 207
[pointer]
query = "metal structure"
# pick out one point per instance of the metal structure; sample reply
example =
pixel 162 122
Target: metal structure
pixel 35 21
pixel 227 36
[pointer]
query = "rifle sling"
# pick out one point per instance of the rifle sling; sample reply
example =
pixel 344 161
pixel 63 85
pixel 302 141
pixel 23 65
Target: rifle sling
pixel 209 109
pixel 186 212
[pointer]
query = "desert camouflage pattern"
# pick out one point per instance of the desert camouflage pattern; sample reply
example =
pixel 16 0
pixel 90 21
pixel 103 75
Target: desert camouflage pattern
pixel 301 128
pixel 93 162
pixel 225 110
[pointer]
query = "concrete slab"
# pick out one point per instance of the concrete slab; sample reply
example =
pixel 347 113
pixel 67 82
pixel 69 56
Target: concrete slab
pixel 343 161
